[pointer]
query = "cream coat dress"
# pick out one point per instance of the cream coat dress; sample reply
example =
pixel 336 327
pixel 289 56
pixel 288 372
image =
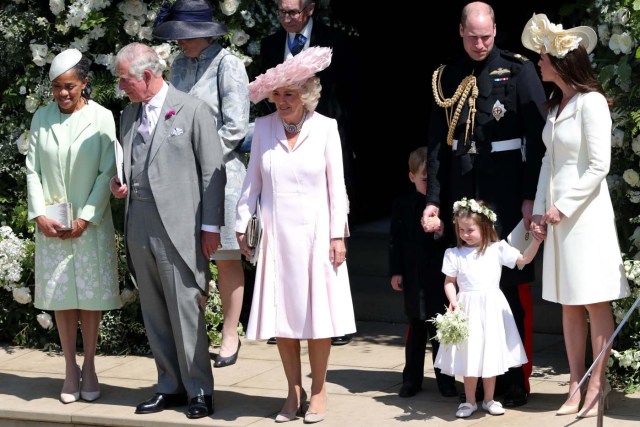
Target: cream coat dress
pixel 303 201
pixel 582 262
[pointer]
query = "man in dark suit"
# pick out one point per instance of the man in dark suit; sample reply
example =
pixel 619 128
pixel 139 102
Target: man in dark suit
pixel 299 31
pixel 174 184
pixel 492 152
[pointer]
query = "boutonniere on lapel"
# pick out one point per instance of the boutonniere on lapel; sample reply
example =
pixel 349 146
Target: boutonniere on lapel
pixel 176 131
pixel 169 114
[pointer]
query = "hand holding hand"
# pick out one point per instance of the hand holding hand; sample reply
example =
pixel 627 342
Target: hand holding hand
pixel 78 227
pixel 553 216
pixel 428 224
pixel 49 227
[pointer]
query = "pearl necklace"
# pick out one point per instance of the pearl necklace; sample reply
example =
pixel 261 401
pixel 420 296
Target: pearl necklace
pixel 295 128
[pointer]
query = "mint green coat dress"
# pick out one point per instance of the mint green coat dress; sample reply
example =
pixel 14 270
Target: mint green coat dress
pixel 71 158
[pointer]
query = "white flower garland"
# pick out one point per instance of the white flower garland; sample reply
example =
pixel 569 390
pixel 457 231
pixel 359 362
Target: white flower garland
pixel 473 206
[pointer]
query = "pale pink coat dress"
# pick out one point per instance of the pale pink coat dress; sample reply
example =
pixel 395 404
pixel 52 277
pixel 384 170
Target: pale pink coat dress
pixel 303 201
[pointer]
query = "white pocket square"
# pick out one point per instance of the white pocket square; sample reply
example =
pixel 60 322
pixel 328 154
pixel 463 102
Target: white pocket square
pixel 176 131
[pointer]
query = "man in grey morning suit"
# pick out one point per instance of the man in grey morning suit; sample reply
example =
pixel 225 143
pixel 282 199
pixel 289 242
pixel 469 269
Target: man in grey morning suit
pixel 174 184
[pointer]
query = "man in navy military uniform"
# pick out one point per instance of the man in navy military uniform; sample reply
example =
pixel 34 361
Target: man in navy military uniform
pixel 485 142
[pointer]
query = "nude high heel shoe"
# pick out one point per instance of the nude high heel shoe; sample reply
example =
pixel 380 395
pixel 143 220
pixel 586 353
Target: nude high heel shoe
pixel 593 412
pixel 90 396
pixel 572 409
pixel 75 396
pixel 284 417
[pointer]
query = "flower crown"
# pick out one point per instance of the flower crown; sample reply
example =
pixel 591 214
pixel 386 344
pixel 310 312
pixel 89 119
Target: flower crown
pixel 473 206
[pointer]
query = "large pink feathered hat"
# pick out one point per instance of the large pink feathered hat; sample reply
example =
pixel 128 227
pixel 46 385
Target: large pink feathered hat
pixel 293 71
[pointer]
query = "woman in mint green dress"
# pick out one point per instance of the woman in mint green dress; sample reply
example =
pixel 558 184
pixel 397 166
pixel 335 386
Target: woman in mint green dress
pixel 71 159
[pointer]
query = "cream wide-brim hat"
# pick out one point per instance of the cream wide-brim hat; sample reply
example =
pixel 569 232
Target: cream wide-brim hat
pixel 63 62
pixel 540 33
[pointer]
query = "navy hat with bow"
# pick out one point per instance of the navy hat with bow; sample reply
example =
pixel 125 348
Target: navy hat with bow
pixel 187 19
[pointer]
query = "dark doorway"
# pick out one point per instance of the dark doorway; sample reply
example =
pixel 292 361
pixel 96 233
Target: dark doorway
pixel 396 99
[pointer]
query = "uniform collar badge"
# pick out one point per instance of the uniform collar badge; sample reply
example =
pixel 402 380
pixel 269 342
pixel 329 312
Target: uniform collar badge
pixel 498 110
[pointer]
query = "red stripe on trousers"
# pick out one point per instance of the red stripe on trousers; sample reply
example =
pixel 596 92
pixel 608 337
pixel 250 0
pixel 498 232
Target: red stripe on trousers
pixel 524 293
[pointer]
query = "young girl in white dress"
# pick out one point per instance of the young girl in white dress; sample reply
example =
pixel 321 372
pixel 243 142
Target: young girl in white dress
pixel 472 272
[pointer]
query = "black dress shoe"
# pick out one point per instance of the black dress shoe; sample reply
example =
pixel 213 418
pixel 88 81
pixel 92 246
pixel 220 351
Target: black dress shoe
pixel 515 396
pixel 448 390
pixel 272 340
pixel 345 339
pixel 161 401
pixel 408 390
pixel 221 362
pixel 200 406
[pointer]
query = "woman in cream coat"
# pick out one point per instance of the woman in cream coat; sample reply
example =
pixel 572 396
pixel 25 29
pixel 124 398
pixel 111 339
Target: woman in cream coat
pixel 71 159
pixel 582 265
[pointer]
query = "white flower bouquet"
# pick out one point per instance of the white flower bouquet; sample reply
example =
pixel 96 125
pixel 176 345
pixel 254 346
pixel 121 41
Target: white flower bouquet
pixel 452 327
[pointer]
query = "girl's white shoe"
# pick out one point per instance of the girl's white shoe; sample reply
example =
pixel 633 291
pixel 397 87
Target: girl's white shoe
pixel 466 409
pixel 493 407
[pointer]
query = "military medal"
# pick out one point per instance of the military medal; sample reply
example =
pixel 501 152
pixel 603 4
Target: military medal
pixel 498 110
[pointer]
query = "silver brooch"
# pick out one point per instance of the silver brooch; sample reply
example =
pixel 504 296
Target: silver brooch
pixel 498 110
pixel 176 131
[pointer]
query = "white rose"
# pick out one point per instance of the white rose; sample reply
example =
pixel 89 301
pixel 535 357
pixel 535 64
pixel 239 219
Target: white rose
pixel 44 319
pixel 31 104
pixel 133 7
pixel 56 6
pixel 614 43
pixel 39 49
pixel 22 295
pixel 239 37
pixel 23 143
pixel 132 26
pixel 631 177
pixel 145 33
pixel 625 43
pixel 163 50
pixel 617 137
pixel 229 7
pixel 22 90
pixel 39 61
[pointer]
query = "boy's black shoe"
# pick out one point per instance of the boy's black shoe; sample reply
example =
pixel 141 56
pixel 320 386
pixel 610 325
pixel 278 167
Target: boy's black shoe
pixel 515 396
pixel 408 390
pixel 448 390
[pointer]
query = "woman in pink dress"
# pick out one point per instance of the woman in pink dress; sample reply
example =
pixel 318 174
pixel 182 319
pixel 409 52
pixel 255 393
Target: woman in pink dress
pixel 295 173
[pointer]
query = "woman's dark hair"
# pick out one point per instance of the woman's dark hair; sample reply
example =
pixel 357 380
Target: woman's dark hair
pixel 575 70
pixel 82 71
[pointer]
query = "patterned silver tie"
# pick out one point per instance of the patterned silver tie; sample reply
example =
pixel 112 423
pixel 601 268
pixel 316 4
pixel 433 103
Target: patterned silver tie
pixel 145 126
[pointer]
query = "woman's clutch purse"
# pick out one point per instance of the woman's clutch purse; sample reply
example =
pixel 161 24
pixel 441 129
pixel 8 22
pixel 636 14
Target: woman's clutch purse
pixel 253 234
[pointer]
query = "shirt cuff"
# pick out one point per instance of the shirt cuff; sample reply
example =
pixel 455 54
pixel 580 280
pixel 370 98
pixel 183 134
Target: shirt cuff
pixel 210 228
